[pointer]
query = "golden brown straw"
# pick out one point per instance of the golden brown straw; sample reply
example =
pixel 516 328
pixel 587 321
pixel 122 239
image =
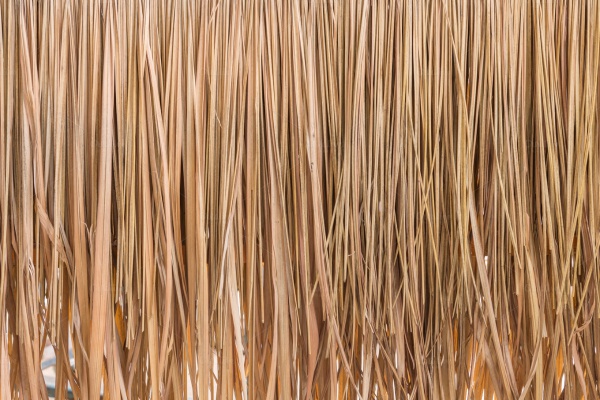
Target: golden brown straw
pixel 332 199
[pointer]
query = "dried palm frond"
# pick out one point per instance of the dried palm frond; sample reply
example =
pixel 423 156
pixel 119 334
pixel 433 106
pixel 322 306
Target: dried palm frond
pixel 261 199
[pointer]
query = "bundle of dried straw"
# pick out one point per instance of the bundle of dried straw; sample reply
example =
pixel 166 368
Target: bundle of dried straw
pixel 332 199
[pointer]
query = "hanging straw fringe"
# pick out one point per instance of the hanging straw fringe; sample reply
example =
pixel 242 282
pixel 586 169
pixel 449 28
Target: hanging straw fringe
pixel 300 199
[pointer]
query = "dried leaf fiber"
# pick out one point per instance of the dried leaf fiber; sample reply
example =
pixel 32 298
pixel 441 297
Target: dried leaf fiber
pixel 297 199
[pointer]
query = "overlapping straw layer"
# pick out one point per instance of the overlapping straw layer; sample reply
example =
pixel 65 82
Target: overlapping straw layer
pixel 298 199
